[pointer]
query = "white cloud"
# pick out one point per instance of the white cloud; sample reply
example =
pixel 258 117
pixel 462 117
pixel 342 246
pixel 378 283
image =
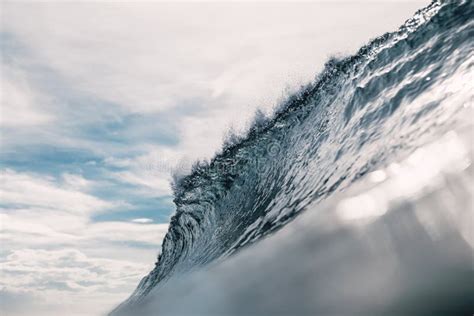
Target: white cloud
pixel 151 172
pixel 19 101
pixel 33 190
pixel 148 57
pixel 148 183
pixel 66 281
pixel 142 220
pixel 22 228
pixel 56 258
pixel 43 212
pixel 127 232
pixel 36 226
pixel 76 181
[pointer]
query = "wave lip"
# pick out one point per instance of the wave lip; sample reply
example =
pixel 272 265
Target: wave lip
pixel 397 93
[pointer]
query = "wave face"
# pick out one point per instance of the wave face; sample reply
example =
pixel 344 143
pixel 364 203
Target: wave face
pixel 399 92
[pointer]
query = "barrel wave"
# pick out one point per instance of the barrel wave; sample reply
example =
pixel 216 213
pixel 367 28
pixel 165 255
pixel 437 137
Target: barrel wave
pixel 399 93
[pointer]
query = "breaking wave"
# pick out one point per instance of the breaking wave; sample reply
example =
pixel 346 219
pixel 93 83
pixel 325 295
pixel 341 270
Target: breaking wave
pixel 400 92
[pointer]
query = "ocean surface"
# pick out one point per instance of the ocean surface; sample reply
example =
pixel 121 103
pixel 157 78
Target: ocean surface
pixel 355 197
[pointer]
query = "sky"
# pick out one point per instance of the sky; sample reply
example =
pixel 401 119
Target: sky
pixel 102 101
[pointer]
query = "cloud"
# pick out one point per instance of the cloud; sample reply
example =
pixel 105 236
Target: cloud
pixel 142 220
pixel 149 183
pixel 76 181
pixel 22 189
pixel 23 228
pixel 18 105
pixel 64 281
pixel 70 268
pixel 152 64
pixel 18 302
pixel 49 211
pixel 151 234
pixel 55 258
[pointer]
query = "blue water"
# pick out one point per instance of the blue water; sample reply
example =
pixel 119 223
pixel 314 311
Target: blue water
pixel 400 92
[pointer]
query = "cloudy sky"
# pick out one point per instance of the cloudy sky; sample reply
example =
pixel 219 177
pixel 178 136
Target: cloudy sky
pixel 100 102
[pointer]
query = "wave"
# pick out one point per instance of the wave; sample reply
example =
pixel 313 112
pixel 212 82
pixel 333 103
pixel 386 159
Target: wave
pixel 399 242
pixel 401 91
